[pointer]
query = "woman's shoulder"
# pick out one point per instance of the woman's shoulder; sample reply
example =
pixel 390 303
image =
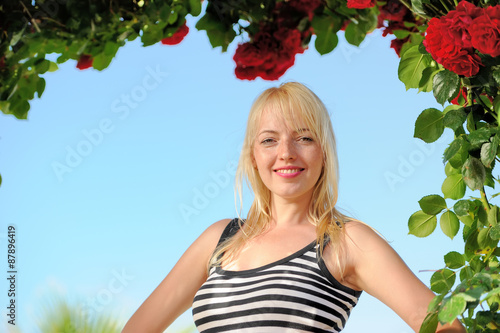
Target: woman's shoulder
pixel 360 233
pixel 215 230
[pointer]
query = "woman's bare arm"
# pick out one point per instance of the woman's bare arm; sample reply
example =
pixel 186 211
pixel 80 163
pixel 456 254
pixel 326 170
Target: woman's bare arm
pixel 379 270
pixel 174 295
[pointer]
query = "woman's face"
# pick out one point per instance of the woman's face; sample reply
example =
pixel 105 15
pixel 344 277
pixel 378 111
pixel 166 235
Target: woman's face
pixel 289 161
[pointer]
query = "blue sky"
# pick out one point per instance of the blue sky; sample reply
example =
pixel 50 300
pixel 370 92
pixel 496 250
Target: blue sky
pixel 116 173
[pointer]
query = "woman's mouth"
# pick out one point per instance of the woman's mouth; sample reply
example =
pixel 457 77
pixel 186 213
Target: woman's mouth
pixel 289 172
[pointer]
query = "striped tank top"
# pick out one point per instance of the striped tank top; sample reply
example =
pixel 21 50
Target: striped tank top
pixel 294 294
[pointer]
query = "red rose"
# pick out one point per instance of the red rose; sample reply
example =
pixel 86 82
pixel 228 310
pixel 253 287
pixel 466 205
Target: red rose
pixel 84 62
pixel 393 10
pixel 360 4
pixel 458 22
pixel 268 56
pixel 246 73
pixel 438 41
pixel 465 64
pixel 485 32
pixel 290 40
pixel 398 43
pixel 305 6
pixel 177 37
pixel 248 54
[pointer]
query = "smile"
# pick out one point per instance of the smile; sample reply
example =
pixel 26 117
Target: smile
pixel 289 172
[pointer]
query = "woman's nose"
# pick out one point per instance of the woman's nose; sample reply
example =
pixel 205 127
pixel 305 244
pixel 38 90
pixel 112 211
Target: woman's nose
pixel 287 150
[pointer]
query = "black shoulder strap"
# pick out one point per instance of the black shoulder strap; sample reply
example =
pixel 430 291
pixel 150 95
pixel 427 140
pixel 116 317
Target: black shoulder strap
pixel 231 229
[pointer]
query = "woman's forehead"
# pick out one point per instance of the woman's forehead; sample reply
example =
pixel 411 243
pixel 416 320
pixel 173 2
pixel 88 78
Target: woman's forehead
pixel 289 118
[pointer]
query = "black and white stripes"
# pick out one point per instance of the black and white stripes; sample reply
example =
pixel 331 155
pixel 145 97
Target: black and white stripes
pixel 295 294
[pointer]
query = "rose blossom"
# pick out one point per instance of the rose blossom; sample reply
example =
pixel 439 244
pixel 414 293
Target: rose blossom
pixel 305 6
pixel 438 41
pixel 84 62
pixel 463 64
pixel 177 37
pixel 485 32
pixel 360 4
pixel 393 10
pixel 458 21
pixel 268 55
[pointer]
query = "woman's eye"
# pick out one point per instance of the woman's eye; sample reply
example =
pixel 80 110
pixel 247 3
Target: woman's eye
pixel 306 139
pixel 267 141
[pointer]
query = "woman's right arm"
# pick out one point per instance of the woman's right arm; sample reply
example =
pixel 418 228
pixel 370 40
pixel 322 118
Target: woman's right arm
pixel 175 293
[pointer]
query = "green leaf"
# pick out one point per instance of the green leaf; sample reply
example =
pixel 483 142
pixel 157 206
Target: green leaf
pixel 445 85
pixel 454 118
pixel 432 204
pixel 40 87
pixel 473 173
pixel 452 149
pixel 425 83
pixel 463 207
pixel 479 136
pixel 466 273
pixel 453 187
pixel 430 323
pixel 429 125
pixel 458 160
pixel 101 61
pixel 442 281
pixel 495 232
pixel 452 308
pixel 496 75
pixel 450 170
pixel 324 28
pixel 485 241
pixel 151 34
pixel 417 6
pixel 421 224
pixel 489 151
pixel 218 33
pixel 449 224
pixel 435 303
pixel 53 67
pixel 111 48
pixel 411 67
pixel 454 260
pixel 493 215
pixel 195 7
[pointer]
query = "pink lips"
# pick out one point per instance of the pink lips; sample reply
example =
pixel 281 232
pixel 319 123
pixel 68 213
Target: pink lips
pixel 289 172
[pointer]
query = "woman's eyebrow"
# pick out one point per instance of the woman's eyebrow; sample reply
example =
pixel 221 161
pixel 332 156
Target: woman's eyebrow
pixel 270 131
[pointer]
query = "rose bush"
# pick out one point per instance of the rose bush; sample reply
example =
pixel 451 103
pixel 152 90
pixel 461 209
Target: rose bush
pixel 449 48
pixel 177 36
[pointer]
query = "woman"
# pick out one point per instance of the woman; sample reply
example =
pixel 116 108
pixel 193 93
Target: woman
pixel 295 264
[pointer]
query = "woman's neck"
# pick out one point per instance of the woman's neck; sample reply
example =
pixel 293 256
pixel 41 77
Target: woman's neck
pixel 289 213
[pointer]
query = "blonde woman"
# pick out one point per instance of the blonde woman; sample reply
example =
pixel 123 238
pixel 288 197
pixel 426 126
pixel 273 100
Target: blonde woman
pixel 295 264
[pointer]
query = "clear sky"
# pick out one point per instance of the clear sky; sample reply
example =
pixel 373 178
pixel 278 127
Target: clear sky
pixel 116 173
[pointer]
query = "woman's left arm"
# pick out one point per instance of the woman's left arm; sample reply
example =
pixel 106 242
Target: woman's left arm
pixel 380 271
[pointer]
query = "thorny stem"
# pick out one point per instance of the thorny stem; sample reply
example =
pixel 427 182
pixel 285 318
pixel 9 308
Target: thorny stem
pixel 478 98
pixel 31 17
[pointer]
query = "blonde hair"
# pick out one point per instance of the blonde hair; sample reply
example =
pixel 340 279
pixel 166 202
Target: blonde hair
pixel 299 106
